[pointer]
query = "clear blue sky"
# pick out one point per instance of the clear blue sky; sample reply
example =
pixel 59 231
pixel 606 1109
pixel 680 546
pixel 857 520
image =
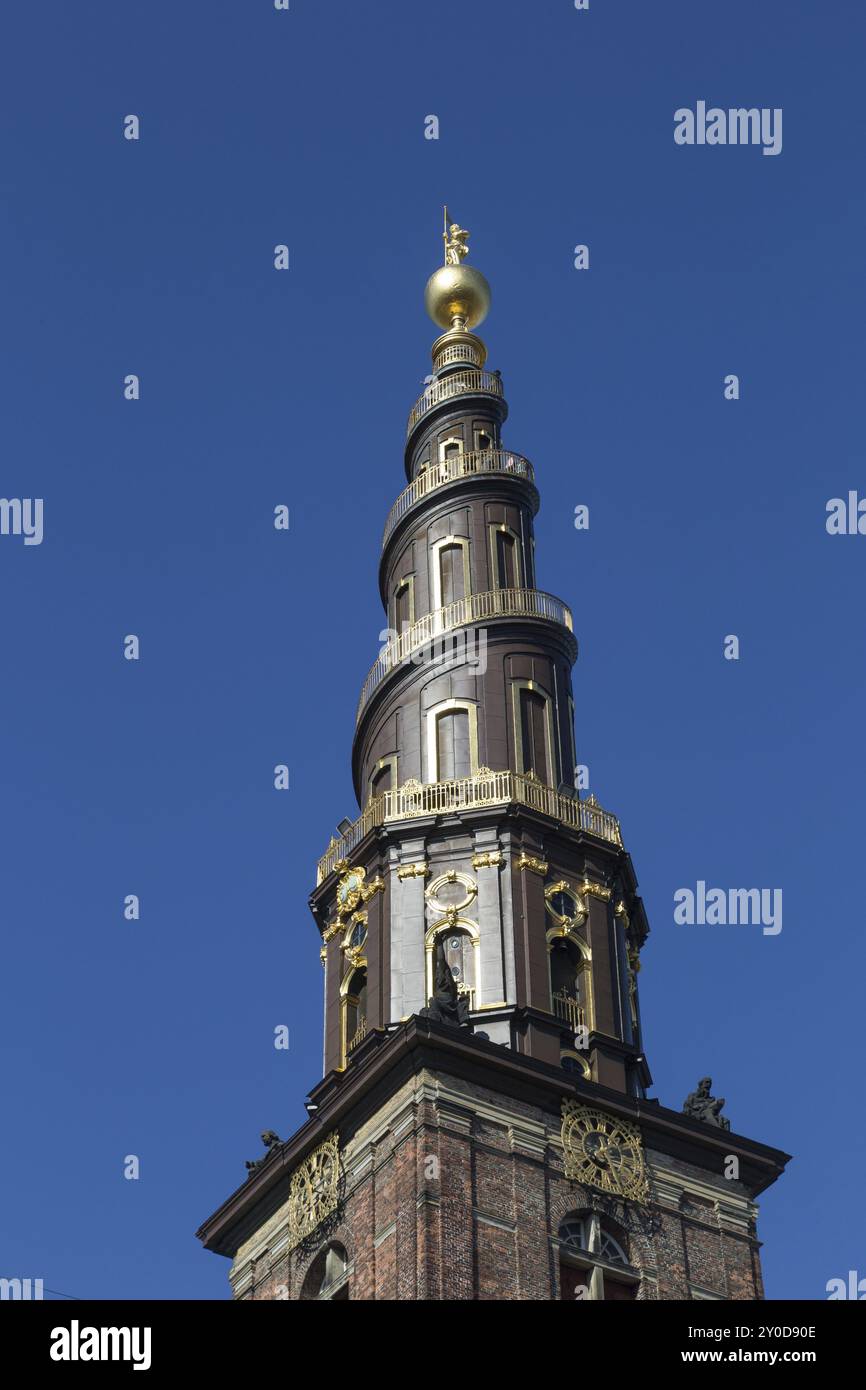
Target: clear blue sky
pixel 260 388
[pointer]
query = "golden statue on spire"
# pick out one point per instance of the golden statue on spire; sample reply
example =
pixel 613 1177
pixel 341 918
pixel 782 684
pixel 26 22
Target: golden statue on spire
pixel 456 240
pixel 457 295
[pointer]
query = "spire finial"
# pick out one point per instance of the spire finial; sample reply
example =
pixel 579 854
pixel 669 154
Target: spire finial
pixel 457 296
pixel 456 240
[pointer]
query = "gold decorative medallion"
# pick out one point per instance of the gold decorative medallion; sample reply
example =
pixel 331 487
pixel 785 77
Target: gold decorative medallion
pixel 314 1189
pixel 603 1152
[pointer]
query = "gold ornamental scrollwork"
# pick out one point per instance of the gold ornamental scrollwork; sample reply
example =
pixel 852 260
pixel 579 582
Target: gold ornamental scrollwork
pixel 602 1152
pixel 535 866
pixel 418 870
pixel 314 1190
pixel 574 919
pixel 490 859
pixel 597 890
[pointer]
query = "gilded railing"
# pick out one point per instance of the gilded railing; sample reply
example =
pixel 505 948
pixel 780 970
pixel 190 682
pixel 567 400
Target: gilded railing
pixel 493 603
pixel 460 384
pixel 485 788
pixel 461 466
pixel 461 352
pixel 568 1009
pixel 359 1036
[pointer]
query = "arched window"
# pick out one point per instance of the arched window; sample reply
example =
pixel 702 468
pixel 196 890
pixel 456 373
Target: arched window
pixel 569 958
pixel 354 1010
pixel 452 585
pixel 533 733
pixel 566 969
pixel 505 558
pixel 404 603
pixel 460 942
pixel 573 1062
pixel 450 449
pixel 452 740
pixel 384 775
pixel 328 1276
pixel 449 559
pixel 594 1259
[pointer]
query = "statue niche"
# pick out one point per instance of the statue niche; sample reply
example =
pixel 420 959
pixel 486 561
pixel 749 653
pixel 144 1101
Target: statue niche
pixel 447 1004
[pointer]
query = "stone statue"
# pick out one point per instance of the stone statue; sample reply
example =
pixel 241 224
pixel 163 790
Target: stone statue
pixel 700 1105
pixel 270 1139
pixel 448 1005
pixel 456 244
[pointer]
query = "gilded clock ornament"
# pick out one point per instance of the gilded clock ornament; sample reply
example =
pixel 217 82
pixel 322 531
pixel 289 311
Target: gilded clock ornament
pixel 603 1152
pixel 314 1190
pixel 350 890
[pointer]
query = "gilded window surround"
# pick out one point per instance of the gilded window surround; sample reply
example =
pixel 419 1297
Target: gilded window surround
pixel 582 1062
pixel 583 973
pixel 390 760
pixel 406 581
pixel 432 716
pixel 495 528
pixel 445 443
pixel 346 1000
pixel 533 686
pixel 461 542
pixel 462 926
pixel 563 886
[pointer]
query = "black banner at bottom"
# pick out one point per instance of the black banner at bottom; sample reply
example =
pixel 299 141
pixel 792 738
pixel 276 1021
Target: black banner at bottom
pixel 153 1338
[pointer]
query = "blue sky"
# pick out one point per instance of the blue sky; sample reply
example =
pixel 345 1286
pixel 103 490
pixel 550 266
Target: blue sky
pixel 260 388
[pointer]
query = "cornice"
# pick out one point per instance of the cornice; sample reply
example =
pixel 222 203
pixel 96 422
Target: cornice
pixel 347 1099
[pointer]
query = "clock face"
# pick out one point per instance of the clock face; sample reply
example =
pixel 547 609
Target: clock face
pixel 603 1152
pixel 349 890
pixel 314 1189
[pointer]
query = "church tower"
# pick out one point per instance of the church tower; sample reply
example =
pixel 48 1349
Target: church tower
pixel 482 1130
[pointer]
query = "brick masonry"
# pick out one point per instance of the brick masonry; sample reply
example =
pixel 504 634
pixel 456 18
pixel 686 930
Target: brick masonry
pixel 453 1192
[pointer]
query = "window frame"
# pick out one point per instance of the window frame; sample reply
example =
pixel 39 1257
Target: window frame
pixel 517 713
pixel 434 713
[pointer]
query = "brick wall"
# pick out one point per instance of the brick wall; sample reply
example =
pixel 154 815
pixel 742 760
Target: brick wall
pixel 455 1193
